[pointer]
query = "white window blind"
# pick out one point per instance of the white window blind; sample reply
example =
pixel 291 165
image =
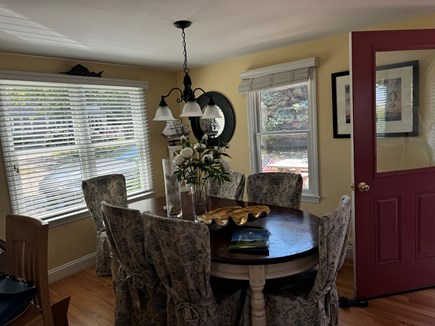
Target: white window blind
pixel 56 134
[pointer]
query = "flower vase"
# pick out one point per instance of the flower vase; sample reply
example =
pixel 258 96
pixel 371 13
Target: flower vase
pixel 199 200
pixel 172 191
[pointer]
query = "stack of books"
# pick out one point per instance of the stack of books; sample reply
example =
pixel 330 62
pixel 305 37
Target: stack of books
pixel 250 241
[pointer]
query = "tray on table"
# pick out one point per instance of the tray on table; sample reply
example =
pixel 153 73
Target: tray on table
pixel 237 214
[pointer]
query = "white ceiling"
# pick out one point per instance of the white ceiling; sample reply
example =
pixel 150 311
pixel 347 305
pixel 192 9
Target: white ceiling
pixel 140 32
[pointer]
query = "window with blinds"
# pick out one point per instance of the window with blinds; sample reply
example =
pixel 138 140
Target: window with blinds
pixel 282 109
pixel 62 130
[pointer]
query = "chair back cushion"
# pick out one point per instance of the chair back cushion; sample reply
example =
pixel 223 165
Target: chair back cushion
pixel 275 188
pixel 180 250
pixel 140 295
pixel 333 237
pixel 233 189
pixel 110 188
pixel 307 301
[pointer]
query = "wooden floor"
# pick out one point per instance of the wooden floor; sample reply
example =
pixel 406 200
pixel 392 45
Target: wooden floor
pixel 92 302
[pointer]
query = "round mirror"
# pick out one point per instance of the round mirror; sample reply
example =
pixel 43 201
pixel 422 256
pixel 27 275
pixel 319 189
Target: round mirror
pixel 213 127
pixel 219 130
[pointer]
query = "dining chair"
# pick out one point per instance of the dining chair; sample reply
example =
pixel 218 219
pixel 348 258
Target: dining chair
pixel 139 294
pixel 275 188
pixel 111 188
pixel 233 189
pixel 180 250
pixel 26 254
pixel 309 300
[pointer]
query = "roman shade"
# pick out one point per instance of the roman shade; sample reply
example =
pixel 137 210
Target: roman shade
pixel 277 75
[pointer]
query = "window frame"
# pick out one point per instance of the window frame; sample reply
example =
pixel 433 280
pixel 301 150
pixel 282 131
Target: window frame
pixel 311 195
pixel 81 212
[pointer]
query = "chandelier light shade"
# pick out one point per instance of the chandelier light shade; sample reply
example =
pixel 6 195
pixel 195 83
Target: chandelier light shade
pixel 163 113
pixel 211 111
pixel 191 109
pixel 187 94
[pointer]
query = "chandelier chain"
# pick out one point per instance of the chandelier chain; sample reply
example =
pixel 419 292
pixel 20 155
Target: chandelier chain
pixel 186 70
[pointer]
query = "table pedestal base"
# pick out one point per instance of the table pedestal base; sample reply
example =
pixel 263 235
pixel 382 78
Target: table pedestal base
pixel 257 276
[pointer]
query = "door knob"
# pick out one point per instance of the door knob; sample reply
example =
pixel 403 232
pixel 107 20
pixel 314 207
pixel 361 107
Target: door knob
pixel 363 187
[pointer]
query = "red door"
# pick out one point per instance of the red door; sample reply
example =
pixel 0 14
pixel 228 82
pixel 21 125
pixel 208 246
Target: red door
pixel 393 91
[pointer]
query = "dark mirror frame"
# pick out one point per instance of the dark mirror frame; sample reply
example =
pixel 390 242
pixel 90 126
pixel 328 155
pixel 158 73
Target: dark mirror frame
pixel 230 120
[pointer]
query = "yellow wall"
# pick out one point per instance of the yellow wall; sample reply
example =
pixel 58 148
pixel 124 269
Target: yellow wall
pixel 74 240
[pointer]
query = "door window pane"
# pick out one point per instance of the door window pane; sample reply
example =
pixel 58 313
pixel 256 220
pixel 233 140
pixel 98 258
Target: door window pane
pixel 405 110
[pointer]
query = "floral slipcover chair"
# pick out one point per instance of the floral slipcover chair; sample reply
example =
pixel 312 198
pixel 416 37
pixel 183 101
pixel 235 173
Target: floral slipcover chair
pixel 140 296
pixel 233 189
pixel 180 250
pixel 112 189
pixel 275 188
pixel 314 300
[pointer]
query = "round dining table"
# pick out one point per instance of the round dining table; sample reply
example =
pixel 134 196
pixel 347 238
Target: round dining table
pixel 293 245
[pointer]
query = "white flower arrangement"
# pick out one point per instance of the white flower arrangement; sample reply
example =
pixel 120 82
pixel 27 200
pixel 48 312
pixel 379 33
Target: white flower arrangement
pixel 198 163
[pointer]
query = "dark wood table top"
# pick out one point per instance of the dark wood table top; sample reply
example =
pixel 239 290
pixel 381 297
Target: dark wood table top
pixel 293 233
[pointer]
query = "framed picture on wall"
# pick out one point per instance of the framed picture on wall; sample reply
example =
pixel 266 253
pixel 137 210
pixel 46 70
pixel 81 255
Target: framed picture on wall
pixel 341 104
pixel 396 101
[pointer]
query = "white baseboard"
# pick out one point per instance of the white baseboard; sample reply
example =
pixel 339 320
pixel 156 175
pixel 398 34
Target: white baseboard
pixel 71 267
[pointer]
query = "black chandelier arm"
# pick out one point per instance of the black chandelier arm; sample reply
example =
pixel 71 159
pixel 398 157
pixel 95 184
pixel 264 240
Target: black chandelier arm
pixel 179 100
pixel 199 88
pixel 211 102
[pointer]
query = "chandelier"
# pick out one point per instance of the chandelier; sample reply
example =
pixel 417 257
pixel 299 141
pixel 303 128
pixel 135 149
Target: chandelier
pixel 191 107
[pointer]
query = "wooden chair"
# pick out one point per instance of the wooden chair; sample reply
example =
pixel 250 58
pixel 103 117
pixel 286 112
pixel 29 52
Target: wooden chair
pixel 112 189
pixel 140 296
pixel 233 189
pixel 314 300
pixel 26 243
pixel 275 188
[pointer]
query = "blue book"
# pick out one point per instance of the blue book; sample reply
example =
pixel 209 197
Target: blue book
pixel 250 240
